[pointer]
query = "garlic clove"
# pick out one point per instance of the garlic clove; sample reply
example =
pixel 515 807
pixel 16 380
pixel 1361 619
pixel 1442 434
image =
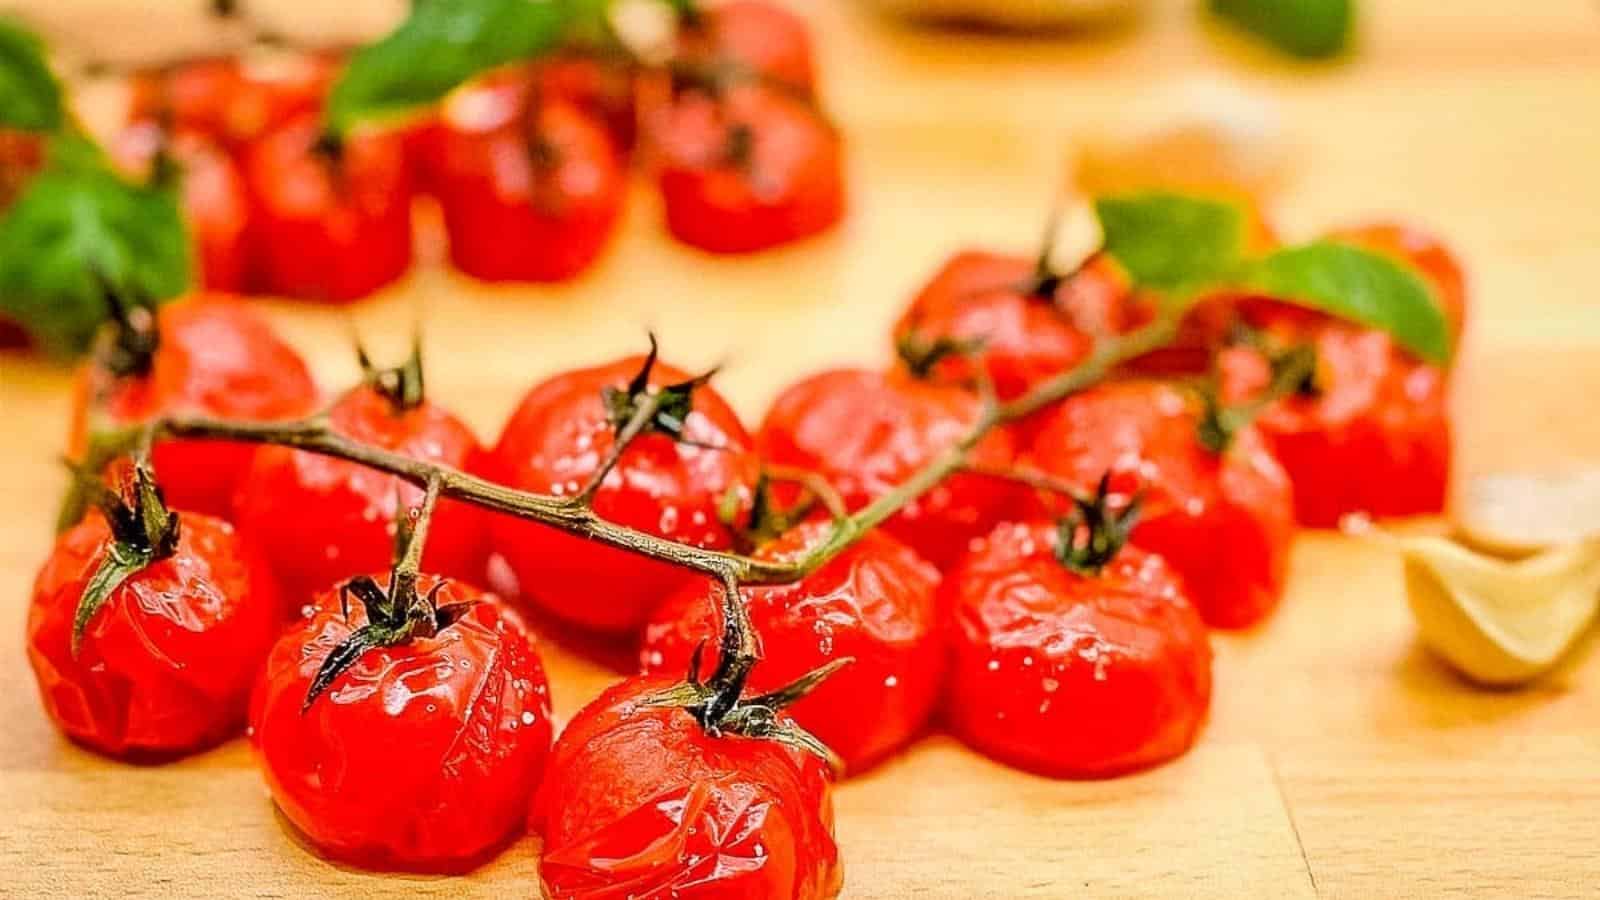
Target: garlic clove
pixel 1518 513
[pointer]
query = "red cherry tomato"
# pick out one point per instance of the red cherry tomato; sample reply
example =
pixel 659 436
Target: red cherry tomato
pixel 866 432
pixel 640 802
pixel 232 100
pixel 527 194
pixel 760 36
pixel 216 357
pixel 332 226
pixel 752 169
pixel 321 520
pixel 874 602
pixel 1223 521
pixel 215 204
pixel 601 88
pixel 167 663
pixel 1426 253
pixel 553 443
pixel 1072 674
pixel 423 755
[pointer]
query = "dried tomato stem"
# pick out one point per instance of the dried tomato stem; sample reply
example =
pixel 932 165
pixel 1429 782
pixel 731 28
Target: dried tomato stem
pixel 814 484
pixel 1032 478
pixel 410 563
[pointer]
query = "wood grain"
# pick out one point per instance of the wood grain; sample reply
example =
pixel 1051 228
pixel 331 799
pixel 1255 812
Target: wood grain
pixel 1340 760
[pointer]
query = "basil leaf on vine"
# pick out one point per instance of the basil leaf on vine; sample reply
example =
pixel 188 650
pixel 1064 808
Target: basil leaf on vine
pixel 440 45
pixel 1358 285
pixel 1310 29
pixel 1172 242
pixel 30 97
pixel 76 228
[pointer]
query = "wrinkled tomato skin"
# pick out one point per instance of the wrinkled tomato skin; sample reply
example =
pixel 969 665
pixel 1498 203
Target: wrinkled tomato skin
pixel 422 756
pixel 329 229
pixel 875 603
pixel 762 37
pixel 640 802
pixel 321 520
pixel 790 187
pixel 217 358
pixel 214 201
pixel 1423 251
pixel 867 432
pixel 1224 521
pixel 557 438
pixel 1072 675
pixel 167 663
pixel 233 101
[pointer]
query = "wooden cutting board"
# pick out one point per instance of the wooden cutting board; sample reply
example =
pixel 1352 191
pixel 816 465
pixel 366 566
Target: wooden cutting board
pixel 1341 759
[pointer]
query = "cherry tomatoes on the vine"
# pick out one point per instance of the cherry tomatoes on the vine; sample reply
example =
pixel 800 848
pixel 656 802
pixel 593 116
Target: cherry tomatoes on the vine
pixel 670 485
pixel 233 100
pixel 866 432
pixel 1223 520
pixel 331 222
pixel 873 603
pixel 764 38
pixel 639 801
pixel 1083 673
pixel 211 355
pixel 423 754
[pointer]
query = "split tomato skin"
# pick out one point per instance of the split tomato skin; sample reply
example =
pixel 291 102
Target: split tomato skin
pixel 321 520
pixel 557 438
pixel 1224 521
pixel 874 603
pixel 422 756
pixel 1073 675
pixel 639 801
pixel 216 357
pixel 166 665
pixel 330 226
pixel 757 35
pixel 750 170
pixel 866 432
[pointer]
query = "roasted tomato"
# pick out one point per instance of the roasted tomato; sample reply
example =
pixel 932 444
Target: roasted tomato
pixel 1426 253
pixel 210 355
pixel 866 432
pixel 1068 669
pixel 1223 520
pixel 215 204
pixel 599 86
pixel 330 223
pixel 233 100
pixel 670 485
pixel 423 751
pixel 165 665
pixel 1370 432
pixel 528 194
pixel 747 169
pixel 639 801
pixel 873 603
pixel 321 520
pixel 759 36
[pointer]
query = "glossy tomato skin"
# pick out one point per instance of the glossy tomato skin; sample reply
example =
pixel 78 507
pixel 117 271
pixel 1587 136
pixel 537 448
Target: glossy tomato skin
pixel 1073 675
pixel 233 100
pixel 750 170
pixel 1224 521
pixel 321 520
pixel 1424 251
pixel 640 802
pixel 556 439
pixel 214 201
pixel 216 357
pixel 758 35
pixel 874 603
pixel 421 756
pixel 329 227
pixel 167 663
pixel 867 432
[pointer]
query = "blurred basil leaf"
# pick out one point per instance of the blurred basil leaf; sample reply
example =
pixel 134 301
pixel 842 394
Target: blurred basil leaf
pixel 1173 243
pixel 30 97
pixel 1310 29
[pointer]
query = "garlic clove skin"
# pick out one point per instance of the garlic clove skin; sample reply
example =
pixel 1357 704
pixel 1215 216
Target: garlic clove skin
pixel 1516 514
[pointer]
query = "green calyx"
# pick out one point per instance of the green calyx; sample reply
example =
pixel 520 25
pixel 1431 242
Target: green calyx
pixel 143 531
pixel 403 385
pixel 127 348
pixel 1090 536
pixel 767 519
pixel 672 403
pixel 1293 373
pixel 921 355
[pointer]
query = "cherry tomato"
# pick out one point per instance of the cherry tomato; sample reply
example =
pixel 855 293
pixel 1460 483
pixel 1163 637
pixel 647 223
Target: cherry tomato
pixel 233 100
pixel 867 432
pixel 423 755
pixel 874 602
pixel 215 204
pixel 554 442
pixel 639 801
pixel 1068 673
pixel 760 36
pixel 528 194
pixel 321 520
pixel 166 665
pixel 1426 253
pixel 750 169
pixel 215 357
pixel 1224 521
pixel 602 88
pixel 331 225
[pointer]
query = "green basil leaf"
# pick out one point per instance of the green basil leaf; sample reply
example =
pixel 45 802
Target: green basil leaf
pixel 76 223
pixel 1358 285
pixel 30 97
pixel 1172 242
pixel 440 45
pixel 1310 29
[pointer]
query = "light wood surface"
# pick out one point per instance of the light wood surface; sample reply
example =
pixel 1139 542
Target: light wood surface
pixel 1340 760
